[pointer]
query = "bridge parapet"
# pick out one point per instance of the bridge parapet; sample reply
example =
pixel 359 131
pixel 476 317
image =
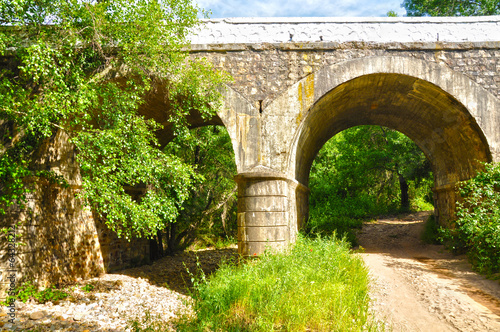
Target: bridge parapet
pixel 340 30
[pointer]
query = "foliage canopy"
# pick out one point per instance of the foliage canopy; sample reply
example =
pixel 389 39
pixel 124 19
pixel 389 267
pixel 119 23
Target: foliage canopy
pixel 84 68
pixel 366 171
pixel 477 228
pixel 451 7
pixel 209 215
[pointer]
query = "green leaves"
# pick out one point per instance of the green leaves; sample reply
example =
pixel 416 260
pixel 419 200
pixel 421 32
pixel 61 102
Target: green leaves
pixel 477 228
pixel 86 68
pixel 123 152
pixel 366 160
pixel 209 213
pixel 359 173
pixel 451 7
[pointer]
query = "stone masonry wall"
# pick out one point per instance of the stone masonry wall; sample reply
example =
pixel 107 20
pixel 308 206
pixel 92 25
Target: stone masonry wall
pixel 268 55
pixel 118 253
pixel 264 73
pixel 58 239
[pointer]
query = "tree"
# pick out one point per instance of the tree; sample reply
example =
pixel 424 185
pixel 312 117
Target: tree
pixel 85 67
pixel 451 7
pixel 373 160
pixel 209 215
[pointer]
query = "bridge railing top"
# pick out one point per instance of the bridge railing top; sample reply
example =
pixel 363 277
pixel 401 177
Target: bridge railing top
pixel 341 30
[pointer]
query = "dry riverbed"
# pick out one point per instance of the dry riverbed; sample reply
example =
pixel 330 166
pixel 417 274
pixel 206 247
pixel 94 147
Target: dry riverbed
pixel 415 287
pixel 161 289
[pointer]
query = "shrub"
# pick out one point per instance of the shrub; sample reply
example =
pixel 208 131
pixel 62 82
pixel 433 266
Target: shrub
pixel 431 233
pixel 28 291
pixel 341 216
pixel 477 228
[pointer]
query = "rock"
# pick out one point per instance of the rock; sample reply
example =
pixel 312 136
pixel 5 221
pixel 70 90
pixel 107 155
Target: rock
pixel 115 307
pixel 37 315
pixel 29 325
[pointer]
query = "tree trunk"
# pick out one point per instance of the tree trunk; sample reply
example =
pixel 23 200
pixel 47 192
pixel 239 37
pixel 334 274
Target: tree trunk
pixel 160 244
pixel 153 249
pixel 171 239
pixel 405 200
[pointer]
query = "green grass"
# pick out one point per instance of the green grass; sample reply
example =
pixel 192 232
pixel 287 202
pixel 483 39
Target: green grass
pixel 319 285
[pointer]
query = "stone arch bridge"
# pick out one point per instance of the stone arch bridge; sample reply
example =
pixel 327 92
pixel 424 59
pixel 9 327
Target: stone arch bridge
pixel 298 82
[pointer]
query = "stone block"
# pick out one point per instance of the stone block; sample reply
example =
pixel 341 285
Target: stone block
pixel 251 249
pixel 262 188
pixel 262 218
pixel 263 233
pixel 262 203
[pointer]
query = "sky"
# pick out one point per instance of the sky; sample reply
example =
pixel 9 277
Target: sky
pixel 300 8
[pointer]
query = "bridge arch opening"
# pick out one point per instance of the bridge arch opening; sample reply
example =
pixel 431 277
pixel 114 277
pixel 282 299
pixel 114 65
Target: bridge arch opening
pixel 437 122
pixel 365 172
pixel 208 216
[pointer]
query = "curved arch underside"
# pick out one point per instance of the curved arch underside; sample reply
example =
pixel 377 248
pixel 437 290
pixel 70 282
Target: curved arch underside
pixel 157 107
pixel 440 125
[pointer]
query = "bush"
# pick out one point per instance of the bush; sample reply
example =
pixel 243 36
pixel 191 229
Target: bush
pixel 29 291
pixel 477 228
pixel 431 233
pixel 342 216
pixel 318 285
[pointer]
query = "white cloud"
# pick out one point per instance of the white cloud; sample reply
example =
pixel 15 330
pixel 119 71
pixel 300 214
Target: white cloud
pixel 300 8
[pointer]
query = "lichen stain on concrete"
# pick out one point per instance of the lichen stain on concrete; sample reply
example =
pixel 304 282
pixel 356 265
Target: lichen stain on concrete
pixel 305 95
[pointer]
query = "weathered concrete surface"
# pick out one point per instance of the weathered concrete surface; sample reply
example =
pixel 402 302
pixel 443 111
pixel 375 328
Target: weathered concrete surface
pixel 337 29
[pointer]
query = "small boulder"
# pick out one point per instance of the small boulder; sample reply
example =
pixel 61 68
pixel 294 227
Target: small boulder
pixel 37 315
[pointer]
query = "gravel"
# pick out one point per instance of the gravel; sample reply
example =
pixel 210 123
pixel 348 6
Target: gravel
pixel 160 289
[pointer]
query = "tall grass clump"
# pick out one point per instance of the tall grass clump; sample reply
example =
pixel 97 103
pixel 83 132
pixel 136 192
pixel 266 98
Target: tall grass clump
pixel 318 285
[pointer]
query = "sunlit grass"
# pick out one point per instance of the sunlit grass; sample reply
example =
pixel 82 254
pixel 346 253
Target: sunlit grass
pixel 319 285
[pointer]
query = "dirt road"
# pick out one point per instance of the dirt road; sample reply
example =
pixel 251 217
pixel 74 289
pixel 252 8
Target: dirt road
pixel 421 287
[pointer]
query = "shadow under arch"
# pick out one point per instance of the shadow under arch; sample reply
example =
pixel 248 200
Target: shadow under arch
pixel 379 94
pixel 234 107
pixel 156 106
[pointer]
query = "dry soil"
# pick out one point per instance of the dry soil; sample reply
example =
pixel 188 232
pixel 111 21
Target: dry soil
pixel 422 287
